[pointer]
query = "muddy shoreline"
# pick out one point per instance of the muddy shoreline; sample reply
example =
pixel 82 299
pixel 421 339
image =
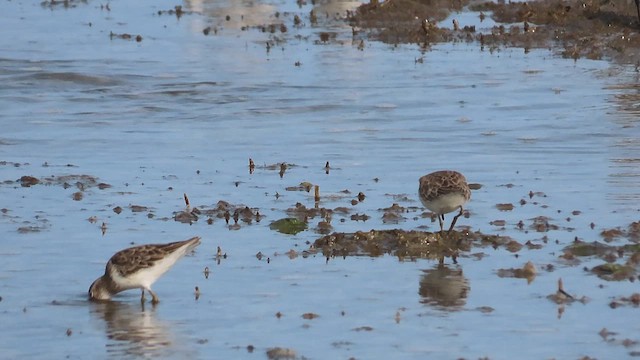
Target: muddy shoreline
pixel 575 29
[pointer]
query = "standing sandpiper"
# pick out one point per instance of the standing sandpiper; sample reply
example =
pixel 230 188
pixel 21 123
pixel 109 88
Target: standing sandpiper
pixel 443 192
pixel 139 267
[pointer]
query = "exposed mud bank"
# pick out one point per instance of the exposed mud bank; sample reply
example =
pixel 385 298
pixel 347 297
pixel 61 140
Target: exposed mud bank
pixel 577 29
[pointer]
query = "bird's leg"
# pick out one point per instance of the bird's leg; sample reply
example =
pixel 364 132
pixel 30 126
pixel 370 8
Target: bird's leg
pixel 154 297
pixel 638 8
pixel 455 218
pixel 441 220
pixel 142 297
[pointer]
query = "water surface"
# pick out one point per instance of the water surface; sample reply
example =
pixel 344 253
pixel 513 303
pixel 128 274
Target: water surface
pixel 182 112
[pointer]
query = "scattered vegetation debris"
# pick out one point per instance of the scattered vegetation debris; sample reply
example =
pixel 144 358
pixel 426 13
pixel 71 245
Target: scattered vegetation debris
pixel 310 316
pixel 67 4
pixel 485 309
pixel 633 300
pixel 504 207
pixel 227 211
pixel 138 208
pixel 541 224
pixel 513 246
pixel 393 214
pixel 278 353
pixel 302 212
pixel 304 186
pixel 614 271
pixel 581 248
pixel 125 36
pixel 528 271
pixel 363 328
pixel 77 196
pixel 561 297
pixel 27 181
pixel 177 10
pixel 611 234
pixel 29 229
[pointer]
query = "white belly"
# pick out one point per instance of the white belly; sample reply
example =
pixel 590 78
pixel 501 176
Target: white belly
pixel 445 203
pixel 144 278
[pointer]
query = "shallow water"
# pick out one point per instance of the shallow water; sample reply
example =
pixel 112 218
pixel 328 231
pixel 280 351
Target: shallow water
pixel 181 112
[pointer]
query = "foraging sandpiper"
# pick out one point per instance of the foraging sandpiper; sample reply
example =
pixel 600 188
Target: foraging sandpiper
pixel 443 192
pixel 139 267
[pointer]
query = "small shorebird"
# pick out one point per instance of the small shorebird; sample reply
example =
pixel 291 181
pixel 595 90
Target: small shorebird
pixel 443 192
pixel 139 267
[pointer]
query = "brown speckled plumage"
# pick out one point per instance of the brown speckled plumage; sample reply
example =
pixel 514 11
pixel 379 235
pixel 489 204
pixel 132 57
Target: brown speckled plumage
pixel 443 182
pixel 131 260
pixel 443 192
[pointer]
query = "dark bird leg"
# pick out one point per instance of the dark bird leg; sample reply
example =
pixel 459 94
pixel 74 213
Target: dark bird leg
pixel 638 9
pixel 441 220
pixel 154 297
pixel 455 218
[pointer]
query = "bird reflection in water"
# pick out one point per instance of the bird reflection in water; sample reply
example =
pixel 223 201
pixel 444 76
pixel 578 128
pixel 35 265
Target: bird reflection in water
pixel 133 330
pixel 444 287
pixel 230 14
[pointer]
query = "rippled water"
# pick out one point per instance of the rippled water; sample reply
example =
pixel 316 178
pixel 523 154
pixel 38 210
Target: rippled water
pixel 180 112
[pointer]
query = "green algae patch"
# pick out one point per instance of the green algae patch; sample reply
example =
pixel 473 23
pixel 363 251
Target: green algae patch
pixel 581 248
pixel 635 248
pixel 614 272
pixel 289 226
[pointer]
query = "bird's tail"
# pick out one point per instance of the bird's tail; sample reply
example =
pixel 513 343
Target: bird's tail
pixel 193 243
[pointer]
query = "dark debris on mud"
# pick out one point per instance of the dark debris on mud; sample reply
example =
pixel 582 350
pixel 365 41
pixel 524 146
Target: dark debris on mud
pixel 65 4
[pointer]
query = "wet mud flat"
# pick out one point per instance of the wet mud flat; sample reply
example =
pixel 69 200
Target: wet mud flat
pixel 613 257
pixel 619 262
pixel 405 244
pixel 576 29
